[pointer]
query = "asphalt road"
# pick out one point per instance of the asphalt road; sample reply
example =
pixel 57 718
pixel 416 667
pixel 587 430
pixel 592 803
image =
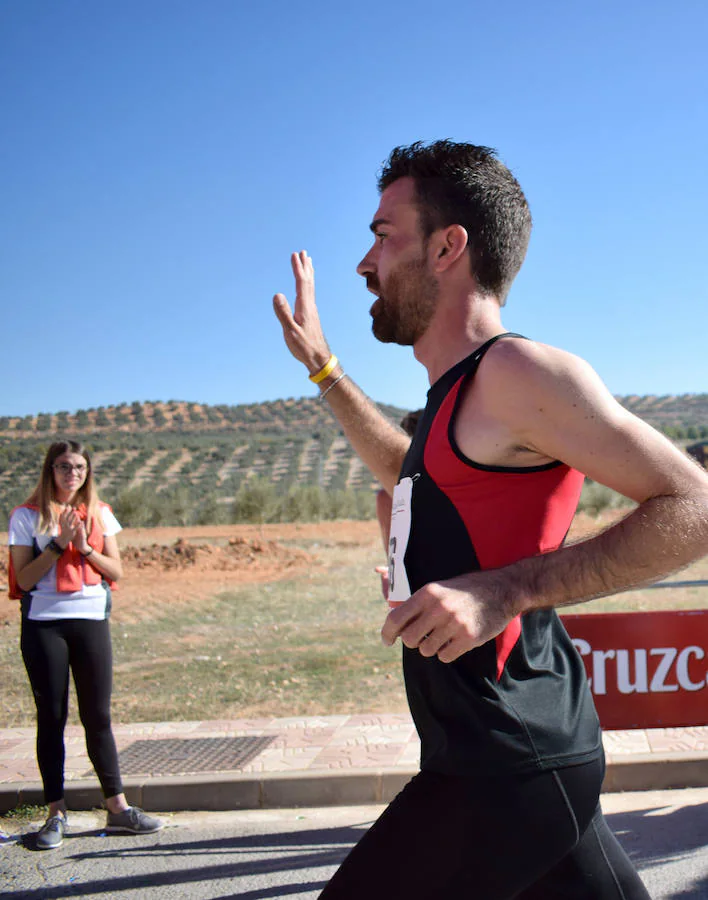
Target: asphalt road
pixel 257 855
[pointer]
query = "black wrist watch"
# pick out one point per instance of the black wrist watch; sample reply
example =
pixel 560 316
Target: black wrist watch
pixel 55 547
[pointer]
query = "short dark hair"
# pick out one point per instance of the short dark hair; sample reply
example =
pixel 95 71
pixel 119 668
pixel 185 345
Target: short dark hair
pixel 465 184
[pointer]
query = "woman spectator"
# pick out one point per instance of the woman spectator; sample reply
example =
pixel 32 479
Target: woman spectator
pixel 63 560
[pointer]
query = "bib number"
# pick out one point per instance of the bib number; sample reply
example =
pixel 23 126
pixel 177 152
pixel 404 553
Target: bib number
pixel 398 587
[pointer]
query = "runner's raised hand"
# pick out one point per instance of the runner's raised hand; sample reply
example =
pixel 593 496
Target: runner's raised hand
pixel 301 329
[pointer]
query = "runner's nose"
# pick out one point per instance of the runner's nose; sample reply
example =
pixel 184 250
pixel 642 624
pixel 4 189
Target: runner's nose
pixel 366 266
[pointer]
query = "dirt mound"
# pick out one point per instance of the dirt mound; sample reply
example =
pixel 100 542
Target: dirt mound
pixel 180 570
pixel 238 553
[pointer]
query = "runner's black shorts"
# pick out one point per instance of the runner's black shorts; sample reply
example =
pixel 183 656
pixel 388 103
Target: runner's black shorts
pixel 539 836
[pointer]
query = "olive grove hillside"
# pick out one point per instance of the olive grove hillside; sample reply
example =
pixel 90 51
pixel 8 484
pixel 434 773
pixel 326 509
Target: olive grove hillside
pixel 186 463
pixel 181 462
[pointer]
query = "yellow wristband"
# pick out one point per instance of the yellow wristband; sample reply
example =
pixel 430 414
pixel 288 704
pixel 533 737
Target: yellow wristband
pixel 326 370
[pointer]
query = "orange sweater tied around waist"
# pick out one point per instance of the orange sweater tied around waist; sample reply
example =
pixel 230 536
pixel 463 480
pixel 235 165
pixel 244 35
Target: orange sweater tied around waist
pixel 73 571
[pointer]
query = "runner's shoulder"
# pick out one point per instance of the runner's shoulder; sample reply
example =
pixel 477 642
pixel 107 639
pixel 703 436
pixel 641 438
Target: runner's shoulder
pixel 513 365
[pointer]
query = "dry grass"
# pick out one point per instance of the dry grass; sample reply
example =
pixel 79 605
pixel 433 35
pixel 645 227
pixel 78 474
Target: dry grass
pixel 305 646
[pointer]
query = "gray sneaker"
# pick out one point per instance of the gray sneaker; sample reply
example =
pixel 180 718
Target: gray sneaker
pixel 133 820
pixel 51 834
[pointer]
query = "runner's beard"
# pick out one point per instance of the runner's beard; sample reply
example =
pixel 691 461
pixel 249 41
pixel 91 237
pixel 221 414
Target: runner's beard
pixel 407 302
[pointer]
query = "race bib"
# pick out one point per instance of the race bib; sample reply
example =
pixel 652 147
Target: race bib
pixel 398 588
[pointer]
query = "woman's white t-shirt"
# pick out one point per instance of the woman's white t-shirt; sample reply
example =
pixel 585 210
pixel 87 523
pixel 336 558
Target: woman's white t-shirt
pixel 91 602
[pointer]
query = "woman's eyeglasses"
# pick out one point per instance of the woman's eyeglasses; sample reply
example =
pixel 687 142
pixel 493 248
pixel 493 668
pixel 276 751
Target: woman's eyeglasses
pixel 67 468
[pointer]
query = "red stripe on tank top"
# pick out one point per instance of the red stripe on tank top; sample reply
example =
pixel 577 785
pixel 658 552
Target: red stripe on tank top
pixel 509 513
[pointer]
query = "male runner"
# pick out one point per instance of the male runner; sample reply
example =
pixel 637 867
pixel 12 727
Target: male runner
pixel 506 803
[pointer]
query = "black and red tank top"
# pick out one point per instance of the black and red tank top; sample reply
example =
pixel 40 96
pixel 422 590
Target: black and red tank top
pixel 521 701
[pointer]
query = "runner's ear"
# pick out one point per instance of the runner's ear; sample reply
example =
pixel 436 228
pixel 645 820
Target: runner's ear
pixel 448 245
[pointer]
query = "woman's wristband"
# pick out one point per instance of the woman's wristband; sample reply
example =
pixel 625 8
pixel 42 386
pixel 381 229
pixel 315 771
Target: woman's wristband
pixel 57 548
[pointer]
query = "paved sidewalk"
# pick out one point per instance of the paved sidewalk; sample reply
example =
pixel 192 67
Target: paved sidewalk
pixel 319 761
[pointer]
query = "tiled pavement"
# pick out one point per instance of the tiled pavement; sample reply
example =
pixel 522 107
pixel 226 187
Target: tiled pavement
pixel 307 762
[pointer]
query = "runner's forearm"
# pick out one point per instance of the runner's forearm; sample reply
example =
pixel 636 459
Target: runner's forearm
pixel 380 445
pixel 663 535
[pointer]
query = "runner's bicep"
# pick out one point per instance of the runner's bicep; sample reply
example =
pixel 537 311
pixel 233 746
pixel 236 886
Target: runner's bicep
pixel 575 419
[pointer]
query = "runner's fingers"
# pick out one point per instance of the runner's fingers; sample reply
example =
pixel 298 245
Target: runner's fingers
pixel 304 273
pixel 424 627
pixel 305 307
pixel 433 642
pixel 455 648
pixel 304 261
pixel 282 310
pixel 396 621
pixel 292 329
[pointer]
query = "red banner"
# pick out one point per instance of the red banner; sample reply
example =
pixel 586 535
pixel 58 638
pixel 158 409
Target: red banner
pixel 646 669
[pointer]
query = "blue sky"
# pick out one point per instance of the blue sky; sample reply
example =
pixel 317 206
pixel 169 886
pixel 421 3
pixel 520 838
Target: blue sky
pixel 161 159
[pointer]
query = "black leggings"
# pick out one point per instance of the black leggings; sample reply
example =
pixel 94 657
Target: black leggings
pixel 49 650
pixel 540 836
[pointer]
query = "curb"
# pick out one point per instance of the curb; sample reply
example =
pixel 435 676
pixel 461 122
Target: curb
pixel 230 791
pixel 658 772
pixel 218 792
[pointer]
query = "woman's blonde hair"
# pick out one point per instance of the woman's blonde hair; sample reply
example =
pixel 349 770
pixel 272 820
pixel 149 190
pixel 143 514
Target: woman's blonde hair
pixel 44 495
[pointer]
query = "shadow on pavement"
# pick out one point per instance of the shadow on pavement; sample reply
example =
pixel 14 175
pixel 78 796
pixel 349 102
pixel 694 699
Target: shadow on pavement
pixel 321 847
pixel 657 835
pixel 650 836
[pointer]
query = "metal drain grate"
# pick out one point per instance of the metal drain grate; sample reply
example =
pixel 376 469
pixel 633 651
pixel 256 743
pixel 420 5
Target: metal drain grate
pixel 183 756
